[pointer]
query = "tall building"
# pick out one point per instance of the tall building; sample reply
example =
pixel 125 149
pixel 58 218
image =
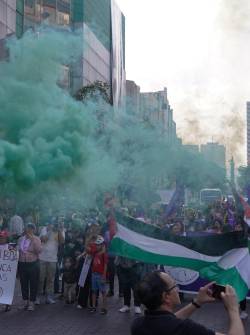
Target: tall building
pixel 215 152
pixel 97 42
pixel 155 107
pixel 7 18
pixel 248 133
pixel 132 98
pixel 193 148
pixel 11 13
pixel 103 46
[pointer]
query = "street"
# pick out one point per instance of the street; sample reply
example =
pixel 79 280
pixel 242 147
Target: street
pixel 124 149
pixel 59 319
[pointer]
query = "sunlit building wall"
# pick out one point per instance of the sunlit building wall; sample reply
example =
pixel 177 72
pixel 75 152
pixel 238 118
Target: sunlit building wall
pixel 7 18
pixel 11 22
pixel 155 107
pixel 133 98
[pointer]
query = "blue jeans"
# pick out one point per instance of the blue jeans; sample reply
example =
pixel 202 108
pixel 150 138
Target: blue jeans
pixel 98 284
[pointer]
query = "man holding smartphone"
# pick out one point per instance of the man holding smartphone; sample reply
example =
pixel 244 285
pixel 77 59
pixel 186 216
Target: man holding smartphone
pixel 159 293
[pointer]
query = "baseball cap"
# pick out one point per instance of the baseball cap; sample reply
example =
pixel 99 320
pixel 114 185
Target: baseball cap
pixel 99 240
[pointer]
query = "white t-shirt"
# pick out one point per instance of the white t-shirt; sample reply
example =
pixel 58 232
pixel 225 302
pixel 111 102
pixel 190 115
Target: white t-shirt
pixel 16 225
pixel 49 248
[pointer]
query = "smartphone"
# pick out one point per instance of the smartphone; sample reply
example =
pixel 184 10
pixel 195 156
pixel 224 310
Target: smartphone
pixel 217 289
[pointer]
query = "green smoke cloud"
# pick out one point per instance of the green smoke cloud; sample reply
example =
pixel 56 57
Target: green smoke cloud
pixel 43 129
pixel 49 142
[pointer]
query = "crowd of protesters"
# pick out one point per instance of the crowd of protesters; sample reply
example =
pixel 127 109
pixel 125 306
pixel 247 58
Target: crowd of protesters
pixel 51 258
pixel 52 254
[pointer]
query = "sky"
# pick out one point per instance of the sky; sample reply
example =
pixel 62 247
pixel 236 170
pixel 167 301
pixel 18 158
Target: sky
pixel 199 50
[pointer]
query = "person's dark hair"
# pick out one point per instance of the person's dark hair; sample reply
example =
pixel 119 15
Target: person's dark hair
pixel 31 226
pixel 177 223
pixel 150 290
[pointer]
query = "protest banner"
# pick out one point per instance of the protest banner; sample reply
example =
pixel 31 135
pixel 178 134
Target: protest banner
pixel 8 269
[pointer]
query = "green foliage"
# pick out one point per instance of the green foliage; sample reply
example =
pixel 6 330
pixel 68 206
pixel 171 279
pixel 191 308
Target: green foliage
pixel 96 91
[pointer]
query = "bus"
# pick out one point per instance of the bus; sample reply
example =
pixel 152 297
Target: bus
pixel 209 195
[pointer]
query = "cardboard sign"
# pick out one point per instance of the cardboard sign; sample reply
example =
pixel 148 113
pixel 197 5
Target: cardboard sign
pixel 8 269
pixel 85 270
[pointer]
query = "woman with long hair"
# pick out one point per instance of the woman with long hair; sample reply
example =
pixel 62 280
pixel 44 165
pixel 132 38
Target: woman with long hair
pixel 29 247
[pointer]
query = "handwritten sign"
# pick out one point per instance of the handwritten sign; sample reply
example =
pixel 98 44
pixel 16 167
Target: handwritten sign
pixel 8 269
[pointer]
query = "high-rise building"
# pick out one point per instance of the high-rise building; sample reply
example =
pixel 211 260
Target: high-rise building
pixel 215 152
pixel 7 18
pixel 155 107
pixel 11 14
pixel 103 47
pixel 95 21
pixel 132 98
pixel 248 133
pixel 194 148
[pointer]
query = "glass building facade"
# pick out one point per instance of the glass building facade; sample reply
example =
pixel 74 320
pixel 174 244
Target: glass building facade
pixel 103 58
pixel 19 18
pixel 103 26
pixel 118 56
pixel 55 12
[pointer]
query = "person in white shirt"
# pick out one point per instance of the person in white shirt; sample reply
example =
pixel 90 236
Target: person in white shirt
pixel 51 236
pixel 16 226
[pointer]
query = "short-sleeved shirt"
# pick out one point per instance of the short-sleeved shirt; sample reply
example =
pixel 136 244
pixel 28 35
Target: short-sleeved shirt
pixel 99 260
pixel 69 275
pixel 49 248
pixel 166 323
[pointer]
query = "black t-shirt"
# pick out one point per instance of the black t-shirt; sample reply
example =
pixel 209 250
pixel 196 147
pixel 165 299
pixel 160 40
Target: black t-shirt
pixel 166 323
pixel 69 275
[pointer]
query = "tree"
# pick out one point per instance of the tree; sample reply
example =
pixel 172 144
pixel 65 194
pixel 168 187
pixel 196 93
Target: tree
pixel 97 90
pixel 98 94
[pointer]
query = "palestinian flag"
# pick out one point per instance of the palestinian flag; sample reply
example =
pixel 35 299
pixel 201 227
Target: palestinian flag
pixel 221 257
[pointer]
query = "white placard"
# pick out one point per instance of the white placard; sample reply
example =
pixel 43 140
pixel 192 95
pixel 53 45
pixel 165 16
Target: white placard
pixel 85 270
pixel 8 269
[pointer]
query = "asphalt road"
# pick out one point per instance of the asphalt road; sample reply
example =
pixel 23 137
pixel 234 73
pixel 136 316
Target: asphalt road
pixel 60 319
